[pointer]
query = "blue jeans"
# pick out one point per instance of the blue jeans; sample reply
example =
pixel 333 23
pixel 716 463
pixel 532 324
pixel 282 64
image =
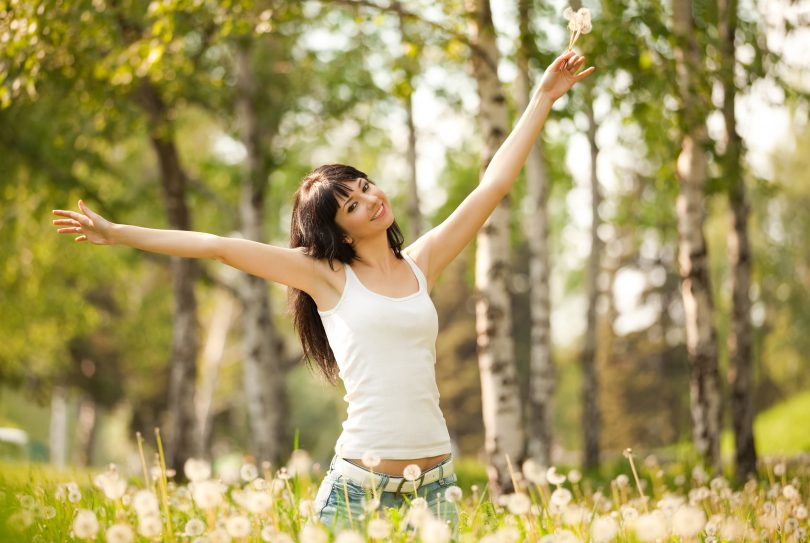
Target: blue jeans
pixel 330 501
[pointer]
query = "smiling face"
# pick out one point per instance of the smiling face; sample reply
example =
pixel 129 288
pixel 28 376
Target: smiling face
pixel 364 212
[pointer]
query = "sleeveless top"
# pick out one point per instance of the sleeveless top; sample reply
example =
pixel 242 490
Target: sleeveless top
pixel 385 349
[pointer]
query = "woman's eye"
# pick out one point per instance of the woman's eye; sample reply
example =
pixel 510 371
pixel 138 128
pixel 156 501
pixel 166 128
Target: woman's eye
pixel 351 207
pixel 365 186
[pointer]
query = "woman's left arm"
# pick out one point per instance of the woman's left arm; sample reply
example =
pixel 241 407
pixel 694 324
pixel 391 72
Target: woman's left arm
pixel 439 246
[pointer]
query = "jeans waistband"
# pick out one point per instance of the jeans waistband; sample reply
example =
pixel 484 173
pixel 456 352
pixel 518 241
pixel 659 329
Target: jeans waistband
pixel 366 479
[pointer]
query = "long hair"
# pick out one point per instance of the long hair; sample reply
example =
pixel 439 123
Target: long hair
pixel 314 228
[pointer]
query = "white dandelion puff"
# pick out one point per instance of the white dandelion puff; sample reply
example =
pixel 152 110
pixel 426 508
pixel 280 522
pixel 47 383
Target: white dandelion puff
pixel 207 494
pixel 651 526
pixel 411 472
pixel 145 502
pixel 349 536
pixel 453 494
pixel 553 477
pixel 197 469
pixel 371 459
pixel 371 505
pixel 435 531
pixel 300 462
pixel 560 497
pixel 312 534
pixel 119 533
pixel 306 508
pixel 85 525
pixel 519 504
pixel 534 472
pixel 150 525
pixel 688 521
pixel 248 472
pixel 604 529
pixel 379 528
pixel 194 527
pixel 237 526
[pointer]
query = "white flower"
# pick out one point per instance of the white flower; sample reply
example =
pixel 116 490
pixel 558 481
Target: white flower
pixel 218 535
pixel 349 536
pixel 534 472
pixel 629 513
pixel 312 534
pixel 371 460
pixel 553 477
pixel 519 504
pixel 560 497
pixel 651 526
pixel 238 526
pixel 85 525
pixel 507 534
pixel 207 494
pixel 120 533
pixel 257 502
pixel 435 531
pixel 419 502
pixel 300 462
pixel 73 493
pixel 779 469
pixel 453 494
pixel 574 515
pixel 622 480
pixel 194 527
pixel 379 528
pixel 197 469
pixel 371 505
pixel 688 521
pixel 574 476
pixel 248 472
pixel 149 525
pixel 731 529
pixel 790 492
pixel 411 472
pixel 603 529
pixel 145 502
pixel 417 516
pixel 800 512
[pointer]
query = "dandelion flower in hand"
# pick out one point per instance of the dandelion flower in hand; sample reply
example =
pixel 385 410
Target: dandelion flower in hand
pixel 579 22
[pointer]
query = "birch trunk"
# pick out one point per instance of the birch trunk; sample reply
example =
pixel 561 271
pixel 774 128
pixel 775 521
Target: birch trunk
pixel 86 425
pixel 263 376
pixel 542 376
pixel 181 433
pixel 591 423
pixel 739 340
pixel 701 338
pixel 500 395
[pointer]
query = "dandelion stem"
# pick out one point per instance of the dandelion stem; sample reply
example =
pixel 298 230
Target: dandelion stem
pixel 164 486
pixel 146 480
pixel 629 454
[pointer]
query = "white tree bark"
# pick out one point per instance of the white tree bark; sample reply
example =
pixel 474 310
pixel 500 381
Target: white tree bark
pixel 542 378
pixel 57 432
pixel 500 395
pixel 701 338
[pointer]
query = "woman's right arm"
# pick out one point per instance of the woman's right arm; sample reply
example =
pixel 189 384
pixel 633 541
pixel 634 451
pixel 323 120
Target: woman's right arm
pixel 290 267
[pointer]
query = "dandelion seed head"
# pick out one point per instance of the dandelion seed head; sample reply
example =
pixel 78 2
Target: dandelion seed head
pixel 800 512
pixel 219 535
pixel 237 526
pixel 120 533
pixel 416 516
pixel 533 471
pixel 379 528
pixel 553 477
pixel 371 459
pixel 575 515
pixel 48 512
pixel 435 531
pixel 207 494
pixel 790 492
pixel 560 497
pixel 197 469
pixel 622 480
pixel 651 526
pixel 518 503
pixel 419 503
pixel 248 472
pixel 145 502
pixel 574 476
pixel 688 521
pixel 629 513
pixel 371 505
pixel 306 508
pixel 194 527
pixel 508 534
pixel 453 494
pixel 411 472
pixel 779 469
pixel 604 529
pixel 150 525
pixel 349 536
pixel 731 529
pixel 300 462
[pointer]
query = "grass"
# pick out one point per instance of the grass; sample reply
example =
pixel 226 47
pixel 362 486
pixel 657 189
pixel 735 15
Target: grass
pixel 783 429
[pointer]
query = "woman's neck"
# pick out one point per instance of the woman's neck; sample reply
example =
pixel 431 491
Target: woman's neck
pixel 375 253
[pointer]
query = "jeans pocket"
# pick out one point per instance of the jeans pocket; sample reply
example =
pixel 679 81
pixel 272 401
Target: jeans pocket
pixel 324 491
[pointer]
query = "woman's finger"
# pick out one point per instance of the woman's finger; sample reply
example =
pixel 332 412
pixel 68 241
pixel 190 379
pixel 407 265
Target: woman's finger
pixel 585 73
pixel 560 60
pixel 69 222
pixel 81 238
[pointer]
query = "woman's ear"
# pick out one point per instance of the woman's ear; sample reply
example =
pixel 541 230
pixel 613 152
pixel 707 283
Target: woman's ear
pixel 348 240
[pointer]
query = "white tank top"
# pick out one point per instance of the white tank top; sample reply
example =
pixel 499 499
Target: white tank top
pixel 386 353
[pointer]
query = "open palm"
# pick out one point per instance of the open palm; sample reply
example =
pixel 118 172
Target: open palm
pixel 562 74
pixel 90 225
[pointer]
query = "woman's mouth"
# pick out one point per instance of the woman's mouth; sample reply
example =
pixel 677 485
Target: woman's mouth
pixel 379 212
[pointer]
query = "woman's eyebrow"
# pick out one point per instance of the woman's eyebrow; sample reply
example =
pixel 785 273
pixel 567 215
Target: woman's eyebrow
pixel 349 197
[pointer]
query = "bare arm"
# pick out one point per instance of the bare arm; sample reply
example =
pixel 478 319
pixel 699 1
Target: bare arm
pixel 279 264
pixel 443 243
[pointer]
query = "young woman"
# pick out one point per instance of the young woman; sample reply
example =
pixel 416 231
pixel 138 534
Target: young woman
pixel 362 310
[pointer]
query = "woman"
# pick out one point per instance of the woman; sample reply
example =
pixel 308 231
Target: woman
pixel 361 307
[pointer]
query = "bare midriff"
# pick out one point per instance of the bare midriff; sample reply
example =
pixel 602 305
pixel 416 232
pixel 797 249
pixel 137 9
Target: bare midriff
pixel 395 467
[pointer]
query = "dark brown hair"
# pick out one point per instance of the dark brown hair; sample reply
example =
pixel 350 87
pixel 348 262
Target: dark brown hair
pixel 314 228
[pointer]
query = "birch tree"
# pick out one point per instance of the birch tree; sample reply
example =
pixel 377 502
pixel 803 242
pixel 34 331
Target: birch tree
pixel 691 168
pixel 503 424
pixel 542 380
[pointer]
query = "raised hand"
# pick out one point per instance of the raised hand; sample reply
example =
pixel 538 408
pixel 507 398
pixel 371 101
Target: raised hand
pixel 562 74
pixel 90 225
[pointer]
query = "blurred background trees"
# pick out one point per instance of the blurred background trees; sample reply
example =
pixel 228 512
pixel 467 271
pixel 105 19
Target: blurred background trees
pixel 197 115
